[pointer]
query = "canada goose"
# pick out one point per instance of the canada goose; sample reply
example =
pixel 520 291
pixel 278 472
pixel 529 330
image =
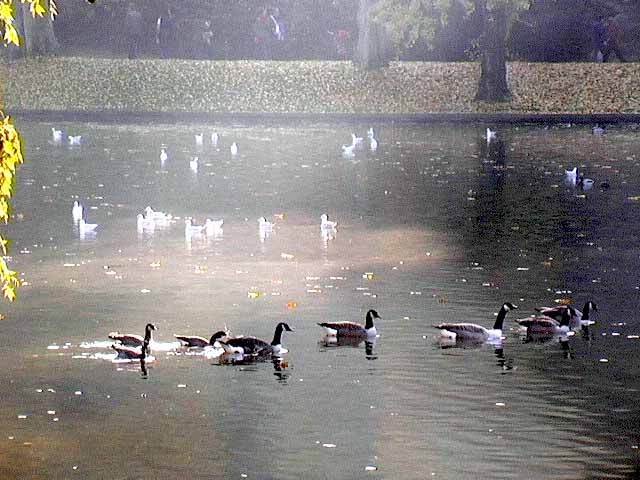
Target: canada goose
pixel 256 346
pixel 474 332
pixel 133 340
pixel 578 318
pixel 543 325
pixel 352 329
pixel 196 341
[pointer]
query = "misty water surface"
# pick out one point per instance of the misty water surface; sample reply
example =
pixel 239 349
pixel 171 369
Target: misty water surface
pixel 435 225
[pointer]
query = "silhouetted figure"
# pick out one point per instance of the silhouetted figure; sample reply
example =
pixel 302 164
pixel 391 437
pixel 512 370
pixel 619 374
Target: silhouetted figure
pixel 166 34
pixel 262 35
pixel 133 30
pixel 614 40
pixel 599 38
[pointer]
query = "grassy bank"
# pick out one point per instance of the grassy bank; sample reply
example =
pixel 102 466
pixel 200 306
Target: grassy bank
pixel 112 85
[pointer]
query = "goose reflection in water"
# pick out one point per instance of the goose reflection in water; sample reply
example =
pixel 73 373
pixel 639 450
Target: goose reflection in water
pixel 328 342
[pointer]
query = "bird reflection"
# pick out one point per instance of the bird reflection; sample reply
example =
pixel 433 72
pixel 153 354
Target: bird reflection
pixel 144 372
pixel 505 363
pixel 353 342
pixel 280 369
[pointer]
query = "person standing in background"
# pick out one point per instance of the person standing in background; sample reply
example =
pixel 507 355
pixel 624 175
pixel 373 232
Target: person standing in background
pixel 166 34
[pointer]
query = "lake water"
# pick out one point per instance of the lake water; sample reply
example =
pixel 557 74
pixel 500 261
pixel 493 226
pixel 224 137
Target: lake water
pixel 435 225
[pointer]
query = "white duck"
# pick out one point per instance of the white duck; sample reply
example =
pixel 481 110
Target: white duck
pixel 347 151
pixel 199 139
pixel 156 215
pixel 571 176
pixel 57 135
pixel 213 227
pixel 476 333
pixel 75 139
pixel 85 227
pixel 355 140
pixel 163 154
pixel 191 230
pixel 326 224
pixel 145 224
pixel 193 164
pixel 215 138
pixel 234 148
pixel 77 211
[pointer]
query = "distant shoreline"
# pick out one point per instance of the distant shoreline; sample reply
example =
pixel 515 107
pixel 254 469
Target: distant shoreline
pixel 192 90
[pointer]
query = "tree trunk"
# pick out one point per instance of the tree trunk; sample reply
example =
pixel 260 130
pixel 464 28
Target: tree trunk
pixel 493 62
pixel 372 50
pixel 39 37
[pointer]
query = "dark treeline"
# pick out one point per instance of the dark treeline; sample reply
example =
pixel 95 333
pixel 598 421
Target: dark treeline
pixel 550 30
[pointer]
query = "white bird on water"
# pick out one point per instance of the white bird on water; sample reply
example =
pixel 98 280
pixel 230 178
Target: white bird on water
pixel 85 227
pixel 490 135
pixel 213 228
pixel 156 215
pixel 234 148
pixel 75 139
pixel 199 138
pixel 190 229
pixel 193 164
pixel 370 133
pixel 163 154
pixel 373 144
pixel 57 135
pixel 77 211
pixel 347 151
pixel 214 138
pixel 326 224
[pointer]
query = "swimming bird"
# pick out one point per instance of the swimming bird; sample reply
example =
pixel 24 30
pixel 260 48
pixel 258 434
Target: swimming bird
pixel 130 353
pixel 196 341
pixel 213 227
pixel 355 140
pixel 584 183
pixel 256 346
pixel 370 133
pixel 133 340
pixel 543 325
pixel 163 154
pixel 234 148
pixel 571 176
pixel 490 135
pixel 264 224
pixel 373 144
pixel 476 333
pixel 578 318
pixel 85 227
pixel 190 229
pixel 145 224
pixel 326 224
pixel 215 138
pixel 598 130
pixel 157 215
pixel 57 135
pixel 347 150
pixel 77 211
pixel 199 138
pixel 352 329
pixel 75 140
pixel 193 164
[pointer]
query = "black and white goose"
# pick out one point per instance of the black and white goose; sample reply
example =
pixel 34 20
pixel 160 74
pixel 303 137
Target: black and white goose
pixel 578 318
pixel 131 339
pixel 138 352
pixel 543 325
pixel 352 329
pixel 472 332
pixel 256 346
pixel 196 341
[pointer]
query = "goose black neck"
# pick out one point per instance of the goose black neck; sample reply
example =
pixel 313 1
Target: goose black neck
pixel 277 336
pixel 147 334
pixel 368 322
pixel 586 310
pixel 499 323
pixel 565 319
